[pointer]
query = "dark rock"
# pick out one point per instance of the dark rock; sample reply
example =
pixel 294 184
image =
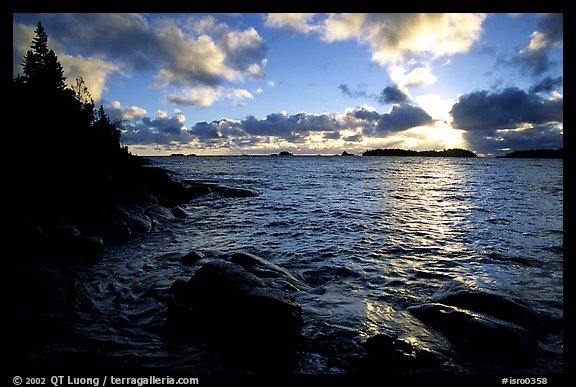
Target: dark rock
pixel 347 154
pixel 265 269
pixel 66 244
pixel 179 212
pixel 117 231
pixel 232 303
pixel 89 248
pixel 397 354
pixel 197 189
pixel 482 338
pixel 497 305
pixel 192 257
pixel 138 221
pixel 42 296
pixel 160 214
pixel 237 192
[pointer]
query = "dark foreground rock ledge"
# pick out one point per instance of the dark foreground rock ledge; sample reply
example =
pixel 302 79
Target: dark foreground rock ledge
pixel 487 328
pixel 250 315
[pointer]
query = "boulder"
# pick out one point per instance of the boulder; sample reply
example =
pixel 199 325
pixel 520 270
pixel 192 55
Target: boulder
pixel 265 269
pixel 236 192
pixel 384 352
pixel 160 214
pixel 197 189
pixel 497 305
pixel 482 338
pixel 192 257
pixel 42 295
pixel 232 303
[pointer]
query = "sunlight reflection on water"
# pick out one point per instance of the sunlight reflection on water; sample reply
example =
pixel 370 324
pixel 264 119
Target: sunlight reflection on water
pixel 371 235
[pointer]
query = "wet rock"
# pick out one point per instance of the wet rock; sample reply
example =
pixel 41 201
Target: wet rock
pixel 88 248
pixel 160 214
pixel 230 302
pixel 179 212
pixel 42 295
pixel 196 189
pixel 482 338
pixel 65 244
pixel 265 269
pixel 192 257
pixel 138 221
pixel 497 305
pixel 384 352
pixel 238 192
pixel 117 231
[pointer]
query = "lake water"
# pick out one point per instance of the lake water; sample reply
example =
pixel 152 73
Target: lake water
pixel 376 234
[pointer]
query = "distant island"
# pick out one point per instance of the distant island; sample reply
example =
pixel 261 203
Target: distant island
pixel 345 154
pixel 535 154
pixel 283 153
pixel 429 153
pixel 182 155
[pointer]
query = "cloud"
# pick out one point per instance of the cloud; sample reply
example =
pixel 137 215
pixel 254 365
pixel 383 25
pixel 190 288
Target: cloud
pixel 547 85
pixel 508 109
pixel 535 59
pixel 394 37
pixel 404 43
pixel 389 95
pixel 402 117
pixel 162 129
pixel 547 136
pixel 299 22
pixel 185 52
pixel 93 69
pixel 116 112
pixel 392 94
pixel 205 96
pixel 414 77
pixel 358 92
pixel 509 119
pixel 298 128
pixel 550 34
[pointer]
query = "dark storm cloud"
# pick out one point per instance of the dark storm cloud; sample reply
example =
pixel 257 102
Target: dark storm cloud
pixel 159 130
pixel 536 137
pixel 535 63
pixel 509 108
pixel 284 125
pixel 402 117
pixel 547 85
pixel 331 135
pixel 392 94
pixel 389 95
pixel 551 25
pixel 203 130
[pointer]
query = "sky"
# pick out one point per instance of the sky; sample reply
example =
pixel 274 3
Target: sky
pixel 313 83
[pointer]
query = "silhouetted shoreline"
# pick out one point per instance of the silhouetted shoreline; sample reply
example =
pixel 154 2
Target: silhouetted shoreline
pixel 535 154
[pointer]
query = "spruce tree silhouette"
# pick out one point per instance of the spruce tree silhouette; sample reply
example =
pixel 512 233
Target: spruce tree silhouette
pixel 65 133
pixel 69 147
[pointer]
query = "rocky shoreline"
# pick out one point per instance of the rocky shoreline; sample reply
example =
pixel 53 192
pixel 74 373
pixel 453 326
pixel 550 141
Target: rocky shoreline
pixel 251 303
pixel 48 238
pixel 250 307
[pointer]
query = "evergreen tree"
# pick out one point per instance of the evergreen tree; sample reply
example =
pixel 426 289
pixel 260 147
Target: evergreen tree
pixel 41 66
pixel 36 57
pixel 65 134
